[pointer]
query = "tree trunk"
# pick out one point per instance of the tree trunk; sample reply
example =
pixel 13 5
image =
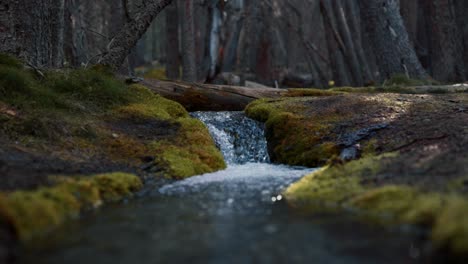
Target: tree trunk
pixel 188 41
pixel 33 30
pixel 253 27
pixel 446 42
pixel 121 45
pixel 235 22
pixel 389 39
pixel 172 42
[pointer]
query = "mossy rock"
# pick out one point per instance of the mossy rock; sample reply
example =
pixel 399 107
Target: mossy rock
pixel 34 212
pixel 81 109
pixel 340 187
pixel 293 138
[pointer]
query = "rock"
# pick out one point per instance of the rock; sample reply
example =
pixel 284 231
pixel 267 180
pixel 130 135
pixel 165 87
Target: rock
pixel 351 153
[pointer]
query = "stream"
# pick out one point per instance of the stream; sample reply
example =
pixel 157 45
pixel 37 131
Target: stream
pixel 233 216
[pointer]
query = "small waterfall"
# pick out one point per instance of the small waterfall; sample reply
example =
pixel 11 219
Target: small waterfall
pixel 240 139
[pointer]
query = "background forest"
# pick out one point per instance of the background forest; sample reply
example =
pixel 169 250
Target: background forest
pixel 298 43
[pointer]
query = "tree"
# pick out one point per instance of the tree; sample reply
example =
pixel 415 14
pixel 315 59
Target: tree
pixel 188 42
pixel 33 30
pixel 389 39
pixel 121 45
pixel 446 45
pixel 172 42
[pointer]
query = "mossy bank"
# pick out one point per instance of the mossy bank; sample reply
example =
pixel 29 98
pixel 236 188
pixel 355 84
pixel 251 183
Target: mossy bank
pixel 393 157
pixel 73 139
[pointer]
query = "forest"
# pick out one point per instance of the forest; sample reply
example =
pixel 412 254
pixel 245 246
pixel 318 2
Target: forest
pixel 233 131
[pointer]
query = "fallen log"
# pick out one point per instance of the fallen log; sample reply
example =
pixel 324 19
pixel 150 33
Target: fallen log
pixel 207 97
pixel 210 97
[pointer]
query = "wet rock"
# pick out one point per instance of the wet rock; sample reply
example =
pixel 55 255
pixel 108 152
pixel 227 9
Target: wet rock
pixel 351 153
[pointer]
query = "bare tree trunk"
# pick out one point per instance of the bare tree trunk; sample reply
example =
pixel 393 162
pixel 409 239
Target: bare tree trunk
pixel 172 42
pixel 389 39
pixel 461 9
pixel 336 45
pixel 446 43
pixel 349 48
pixel 121 45
pixel 214 39
pixel 188 42
pixel 252 37
pixel 232 41
pixel 33 30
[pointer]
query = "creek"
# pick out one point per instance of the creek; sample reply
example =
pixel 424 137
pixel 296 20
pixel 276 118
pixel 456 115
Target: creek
pixel 233 216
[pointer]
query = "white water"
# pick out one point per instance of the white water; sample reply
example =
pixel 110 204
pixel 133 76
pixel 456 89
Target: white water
pixel 244 147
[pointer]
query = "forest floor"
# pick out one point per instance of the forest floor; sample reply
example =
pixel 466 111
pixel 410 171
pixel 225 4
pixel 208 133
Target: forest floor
pixel 398 157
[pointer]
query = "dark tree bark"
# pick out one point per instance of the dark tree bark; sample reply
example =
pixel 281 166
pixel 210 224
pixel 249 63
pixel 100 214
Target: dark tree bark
pixel 33 30
pixel 461 9
pixel 234 28
pixel 389 39
pixel 172 42
pixel 121 45
pixel 253 26
pixel 189 59
pixel 446 41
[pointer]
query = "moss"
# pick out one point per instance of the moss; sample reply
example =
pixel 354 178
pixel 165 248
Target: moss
pixel 34 212
pixel 341 186
pixel 335 184
pixel 89 87
pixel 193 151
pixel 295 139
pixel 150 105
pixel 157 73
pixel 451 229
pixel 403 80
pixel 260 110
pixel 322 187
pixel 10 61
pixel 310 92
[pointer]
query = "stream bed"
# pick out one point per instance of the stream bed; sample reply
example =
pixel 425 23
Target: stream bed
pixel 233 216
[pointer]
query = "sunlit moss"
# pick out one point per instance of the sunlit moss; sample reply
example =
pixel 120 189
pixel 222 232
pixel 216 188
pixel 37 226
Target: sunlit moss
pixel 334 184
pixel 192 152
pixel 34 212
pixel 150 105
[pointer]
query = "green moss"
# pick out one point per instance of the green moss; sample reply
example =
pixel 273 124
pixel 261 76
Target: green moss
pixel 451 229
pixel 403 80
pixel 296 140
pixel 54 109
pixel 91 88
pixel 157 73
pixel 150 105
pixel 335 184
pixel 10 61
pixel 341 186
pixel 310 92
pixel 193 151
pixel 34 212
pixel 260 110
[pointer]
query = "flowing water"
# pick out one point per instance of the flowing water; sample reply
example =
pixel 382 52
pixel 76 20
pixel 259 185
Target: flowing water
pixel 233 216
